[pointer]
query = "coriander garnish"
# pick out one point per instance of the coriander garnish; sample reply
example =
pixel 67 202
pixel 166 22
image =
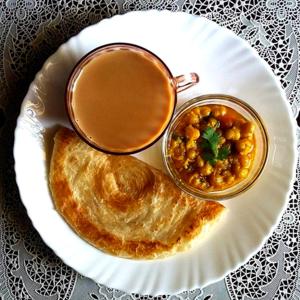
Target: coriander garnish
pixel 210 146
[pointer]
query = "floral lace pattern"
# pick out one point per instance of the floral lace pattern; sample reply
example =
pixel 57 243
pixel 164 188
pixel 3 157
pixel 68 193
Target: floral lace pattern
pixel 30 31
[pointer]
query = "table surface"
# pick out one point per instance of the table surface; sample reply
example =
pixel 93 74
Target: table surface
pixel 30 31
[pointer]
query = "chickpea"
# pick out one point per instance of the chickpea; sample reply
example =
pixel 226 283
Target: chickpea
pixel 205 111
pixel 191 154
pixel 198 182
pixel 226 173
pixel 186 163
pixel 222 140
pixel 196 111
pixel 216 180
pixel 179 151
pixel 192 118
pixel 218 111
pixel 194 179
pixel 203 185
pixel 175 143
pixel 239 122
pixel 230 179
pixel 192 133
pixel 236 168
pixel 206 170
pixel 179 158
pixel 222 164
pixel 212 122
pixel 248 130
pixel 245 161
pixel 227 176
pixel 244 146
pixel 200 162
pixel 191 144
pixel 243 173
pixel 233 134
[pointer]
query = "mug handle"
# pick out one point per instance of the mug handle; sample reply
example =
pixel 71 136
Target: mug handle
pixel 183 82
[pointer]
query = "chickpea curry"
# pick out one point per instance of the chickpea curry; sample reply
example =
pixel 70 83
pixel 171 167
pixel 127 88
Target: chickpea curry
pixel 212 147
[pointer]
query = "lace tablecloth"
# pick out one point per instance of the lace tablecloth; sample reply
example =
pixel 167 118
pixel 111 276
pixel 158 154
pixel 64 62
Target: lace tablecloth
pixel 31 30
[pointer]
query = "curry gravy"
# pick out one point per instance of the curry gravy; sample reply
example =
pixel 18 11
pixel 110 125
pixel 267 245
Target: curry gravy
pixel 122 100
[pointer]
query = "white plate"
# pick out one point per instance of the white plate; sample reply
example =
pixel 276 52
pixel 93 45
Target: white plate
pixel 227 65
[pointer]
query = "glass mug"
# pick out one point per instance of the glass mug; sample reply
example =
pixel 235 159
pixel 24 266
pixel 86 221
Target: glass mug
pixel 121 97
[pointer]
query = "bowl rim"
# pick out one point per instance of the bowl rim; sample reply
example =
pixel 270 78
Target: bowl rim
pixel 215 195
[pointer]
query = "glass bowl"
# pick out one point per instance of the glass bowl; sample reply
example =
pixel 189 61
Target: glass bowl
pixel 261 141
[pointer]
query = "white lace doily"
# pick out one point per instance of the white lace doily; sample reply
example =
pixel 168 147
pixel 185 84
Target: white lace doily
pixel 31 30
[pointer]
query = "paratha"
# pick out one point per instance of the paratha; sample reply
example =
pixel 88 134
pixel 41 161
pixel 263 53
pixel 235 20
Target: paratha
pixel 122 205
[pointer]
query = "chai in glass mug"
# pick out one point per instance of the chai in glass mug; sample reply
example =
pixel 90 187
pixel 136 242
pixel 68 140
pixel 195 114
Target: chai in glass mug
pixel 121 97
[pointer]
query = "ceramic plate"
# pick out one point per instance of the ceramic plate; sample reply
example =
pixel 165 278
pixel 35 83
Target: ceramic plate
pixel 226 64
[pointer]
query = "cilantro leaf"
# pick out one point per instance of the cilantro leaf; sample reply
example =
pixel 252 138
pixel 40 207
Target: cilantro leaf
pixel 209 157
pixel 211 135
pixel 223 152
pixel 210 143
pixel 214 149
pixel 205 144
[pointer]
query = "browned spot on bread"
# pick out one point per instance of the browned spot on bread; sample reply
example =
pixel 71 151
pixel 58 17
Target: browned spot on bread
pixel 118 188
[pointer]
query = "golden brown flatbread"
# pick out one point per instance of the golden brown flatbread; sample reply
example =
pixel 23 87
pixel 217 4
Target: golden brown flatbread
pixel 120 204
